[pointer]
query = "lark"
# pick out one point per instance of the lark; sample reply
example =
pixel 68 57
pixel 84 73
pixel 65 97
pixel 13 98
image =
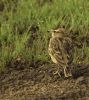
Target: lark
pixel 59 52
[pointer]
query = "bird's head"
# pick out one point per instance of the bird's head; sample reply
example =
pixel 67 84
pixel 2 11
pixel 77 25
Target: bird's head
pixel 58 32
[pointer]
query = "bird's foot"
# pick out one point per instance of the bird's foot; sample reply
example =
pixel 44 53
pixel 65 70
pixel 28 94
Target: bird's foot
pixel 67 73
pixel 59 73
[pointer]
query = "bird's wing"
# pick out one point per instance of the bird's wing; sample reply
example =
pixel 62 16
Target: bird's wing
pixel 69 43
pixel 69 47
pixel 56 49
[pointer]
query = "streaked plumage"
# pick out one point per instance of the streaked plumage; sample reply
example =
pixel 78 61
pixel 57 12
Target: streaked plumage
pixel 58 51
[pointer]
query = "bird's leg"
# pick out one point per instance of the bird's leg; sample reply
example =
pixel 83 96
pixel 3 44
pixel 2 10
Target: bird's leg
pixel 59 71
pixel 56 72
pixel 67 71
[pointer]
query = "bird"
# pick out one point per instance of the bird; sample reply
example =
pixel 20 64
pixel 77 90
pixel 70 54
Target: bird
pixel 59 52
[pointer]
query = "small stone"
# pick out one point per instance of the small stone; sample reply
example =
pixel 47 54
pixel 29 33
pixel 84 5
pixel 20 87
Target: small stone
pixel 62 92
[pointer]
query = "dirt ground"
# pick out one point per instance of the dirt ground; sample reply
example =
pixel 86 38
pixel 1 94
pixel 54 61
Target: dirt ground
pixel 39 83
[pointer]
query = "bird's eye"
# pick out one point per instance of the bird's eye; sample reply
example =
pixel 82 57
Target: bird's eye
pixel 54 30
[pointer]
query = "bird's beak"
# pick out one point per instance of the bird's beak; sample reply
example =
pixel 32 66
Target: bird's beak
pixel 51 31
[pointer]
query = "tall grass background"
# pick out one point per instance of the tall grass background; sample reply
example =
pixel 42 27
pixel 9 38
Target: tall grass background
pixel 17 16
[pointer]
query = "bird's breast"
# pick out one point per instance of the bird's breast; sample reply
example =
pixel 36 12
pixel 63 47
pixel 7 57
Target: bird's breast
pixel 53 59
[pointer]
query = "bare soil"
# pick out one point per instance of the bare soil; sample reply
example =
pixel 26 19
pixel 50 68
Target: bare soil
pixel 39 83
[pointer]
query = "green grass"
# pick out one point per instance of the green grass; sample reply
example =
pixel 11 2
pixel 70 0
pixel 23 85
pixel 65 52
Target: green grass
pixel 74 14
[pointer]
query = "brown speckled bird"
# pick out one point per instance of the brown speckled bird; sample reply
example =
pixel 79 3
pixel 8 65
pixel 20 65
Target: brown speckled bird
pixel 59 52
